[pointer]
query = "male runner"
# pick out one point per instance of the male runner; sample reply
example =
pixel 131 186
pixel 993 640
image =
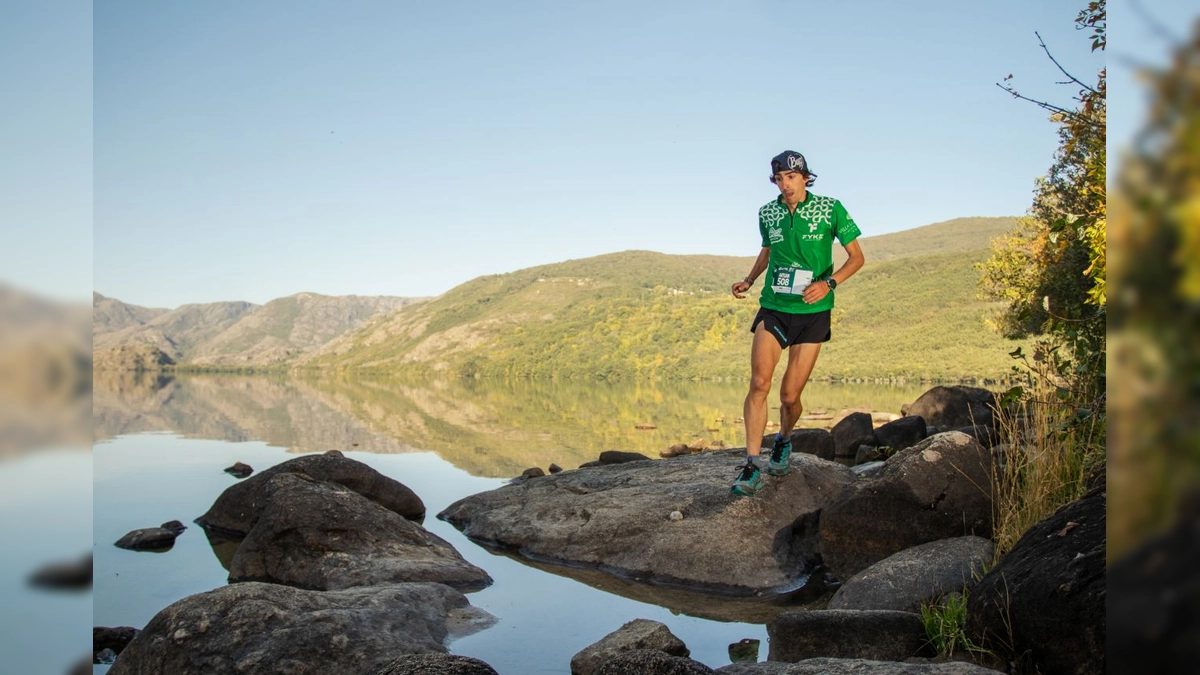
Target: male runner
pixel 798 229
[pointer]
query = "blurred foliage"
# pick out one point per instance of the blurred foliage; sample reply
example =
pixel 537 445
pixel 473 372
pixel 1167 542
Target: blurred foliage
pixel 1050 272
pixel 1154 447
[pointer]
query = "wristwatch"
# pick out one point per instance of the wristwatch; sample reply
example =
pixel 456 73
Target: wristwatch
pixel 832 283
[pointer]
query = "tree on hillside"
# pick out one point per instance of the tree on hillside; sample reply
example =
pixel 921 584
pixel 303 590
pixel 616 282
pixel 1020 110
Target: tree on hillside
pixel 1051 270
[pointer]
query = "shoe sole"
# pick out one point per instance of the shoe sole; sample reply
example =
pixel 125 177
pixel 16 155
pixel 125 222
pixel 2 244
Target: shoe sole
pixel 739 492
pixel 778 472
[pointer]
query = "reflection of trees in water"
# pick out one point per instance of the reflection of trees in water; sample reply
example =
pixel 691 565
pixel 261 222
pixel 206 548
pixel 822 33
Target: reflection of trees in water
pixel 485 427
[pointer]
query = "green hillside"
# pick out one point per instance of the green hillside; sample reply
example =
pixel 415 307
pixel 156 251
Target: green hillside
pixel 640 314
pixel 960 234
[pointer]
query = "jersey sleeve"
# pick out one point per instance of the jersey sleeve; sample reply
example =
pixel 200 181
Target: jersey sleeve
pixel 762 230
pixel 844 227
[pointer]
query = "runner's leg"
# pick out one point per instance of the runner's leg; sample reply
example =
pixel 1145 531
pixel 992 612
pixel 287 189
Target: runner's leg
pixel 801 360
pixel 764 356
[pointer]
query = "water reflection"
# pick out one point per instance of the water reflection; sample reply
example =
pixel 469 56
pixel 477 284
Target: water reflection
pixel 487 428
pixel 683 601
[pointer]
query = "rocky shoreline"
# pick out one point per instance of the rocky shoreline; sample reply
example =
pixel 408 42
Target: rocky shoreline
pixel 330 569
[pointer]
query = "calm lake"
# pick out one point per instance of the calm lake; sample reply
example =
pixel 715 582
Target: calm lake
pixel 161 443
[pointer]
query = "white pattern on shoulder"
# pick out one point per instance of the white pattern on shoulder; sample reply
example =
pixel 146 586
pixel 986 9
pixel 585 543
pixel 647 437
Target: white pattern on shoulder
pixel 818 210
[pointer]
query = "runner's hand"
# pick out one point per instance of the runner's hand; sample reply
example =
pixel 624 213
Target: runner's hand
pixel 816 291
pixel 739 289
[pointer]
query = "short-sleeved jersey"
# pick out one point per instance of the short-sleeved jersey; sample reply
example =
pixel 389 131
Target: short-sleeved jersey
pixel 801 250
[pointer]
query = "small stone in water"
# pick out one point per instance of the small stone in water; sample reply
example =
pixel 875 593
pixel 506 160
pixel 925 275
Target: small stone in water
pixel 744 651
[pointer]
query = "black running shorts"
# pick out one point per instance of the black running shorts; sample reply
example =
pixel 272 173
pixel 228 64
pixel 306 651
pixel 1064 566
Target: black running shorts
pixel 794 329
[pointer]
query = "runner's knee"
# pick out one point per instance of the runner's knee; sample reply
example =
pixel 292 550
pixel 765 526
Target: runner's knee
pixel 760 385
pixel 790 399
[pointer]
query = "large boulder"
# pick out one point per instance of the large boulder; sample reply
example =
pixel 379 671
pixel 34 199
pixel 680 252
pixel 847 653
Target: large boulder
pixel 952 407
pixel 253 627
pixel 650 662
pixel 1152 585
pixel 637 634
pixel 904 580
pixel 903 433
pixel 1045 599
pixel 238 507
pixel 855 430
pixel 883 635
pixel 618 518
pixel 435 664
pixel 323 536
pixel 828 666
pixel 938 489
pixel 817 442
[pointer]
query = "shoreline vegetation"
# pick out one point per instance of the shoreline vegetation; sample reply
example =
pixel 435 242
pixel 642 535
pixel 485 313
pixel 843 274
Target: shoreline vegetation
pixel 984 381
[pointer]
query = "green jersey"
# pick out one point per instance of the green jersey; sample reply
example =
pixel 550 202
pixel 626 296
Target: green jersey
pixel 801 250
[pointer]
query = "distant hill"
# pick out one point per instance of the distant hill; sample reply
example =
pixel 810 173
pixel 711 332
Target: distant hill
pixel 226 334
pixel 911 313
pixel 110 315
pixel 960 234
pixel 176 333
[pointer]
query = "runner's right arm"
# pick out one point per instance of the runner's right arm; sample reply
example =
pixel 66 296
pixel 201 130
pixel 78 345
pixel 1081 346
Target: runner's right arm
pixel 760 263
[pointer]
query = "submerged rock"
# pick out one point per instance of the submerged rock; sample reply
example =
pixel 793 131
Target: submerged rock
pixel 159 538
pixel 239 470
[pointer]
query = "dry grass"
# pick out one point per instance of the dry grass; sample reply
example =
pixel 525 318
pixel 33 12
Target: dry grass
pixel 1052 448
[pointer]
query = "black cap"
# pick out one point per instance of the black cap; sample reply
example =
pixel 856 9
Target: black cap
pixel 790 160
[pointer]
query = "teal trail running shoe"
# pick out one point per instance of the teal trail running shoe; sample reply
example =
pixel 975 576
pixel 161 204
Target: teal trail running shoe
pixel 781 456
pixel 748 482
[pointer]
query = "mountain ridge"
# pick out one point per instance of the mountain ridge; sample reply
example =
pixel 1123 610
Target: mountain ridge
pixel 616 315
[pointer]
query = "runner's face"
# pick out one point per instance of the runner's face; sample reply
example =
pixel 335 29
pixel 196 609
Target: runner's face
pixel 791 185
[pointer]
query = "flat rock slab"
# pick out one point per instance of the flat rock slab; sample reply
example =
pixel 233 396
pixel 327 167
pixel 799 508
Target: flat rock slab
pixel 324 536
pixel 258 628
pixel 239 505
pixel 617 518
pixel 829 666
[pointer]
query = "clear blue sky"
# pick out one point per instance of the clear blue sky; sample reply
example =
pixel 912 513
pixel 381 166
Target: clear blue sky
pixel 254 150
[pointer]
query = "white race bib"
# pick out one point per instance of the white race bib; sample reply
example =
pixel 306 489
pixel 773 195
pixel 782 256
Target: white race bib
pixel 791 280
